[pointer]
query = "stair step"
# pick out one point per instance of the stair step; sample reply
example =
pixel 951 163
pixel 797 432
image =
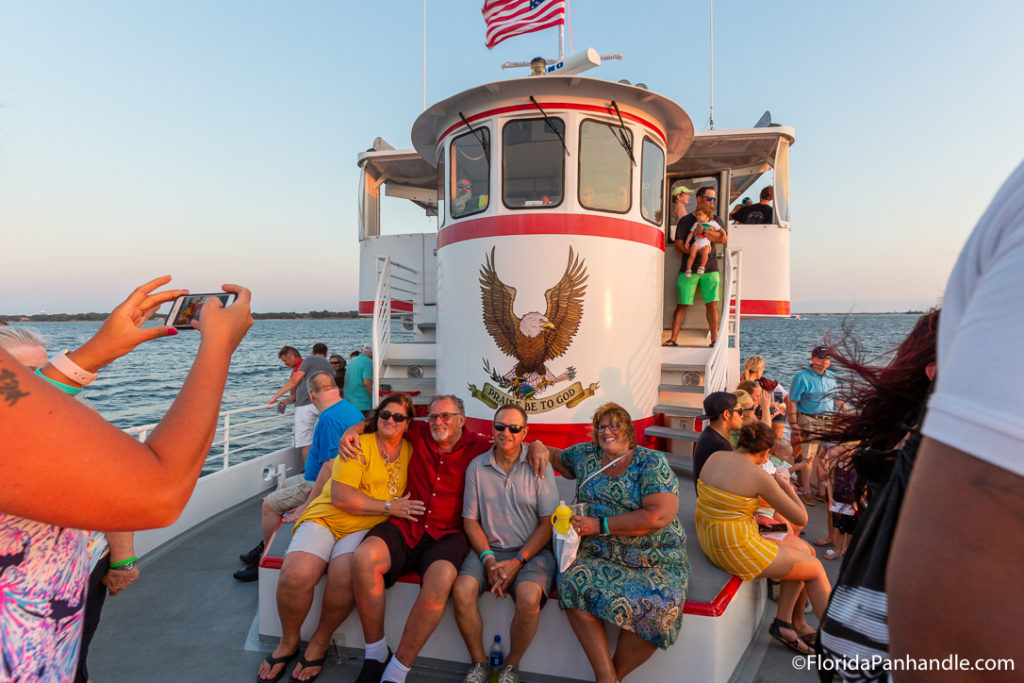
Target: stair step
pixel 671 433
pixel 430 362
pixel 682 367
pixel 678 409
pixel 681 465
pixel 681 388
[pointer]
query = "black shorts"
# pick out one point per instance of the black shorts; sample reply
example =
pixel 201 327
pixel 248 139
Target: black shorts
pixel 845 524
pixel 452 547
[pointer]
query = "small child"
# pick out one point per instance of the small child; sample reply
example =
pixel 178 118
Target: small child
pixel 697 242
pixel 842 502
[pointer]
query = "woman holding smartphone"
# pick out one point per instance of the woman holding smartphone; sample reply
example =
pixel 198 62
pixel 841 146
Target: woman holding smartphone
pixel 65 468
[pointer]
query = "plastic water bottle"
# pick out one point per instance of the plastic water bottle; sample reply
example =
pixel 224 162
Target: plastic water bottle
pixel 497 658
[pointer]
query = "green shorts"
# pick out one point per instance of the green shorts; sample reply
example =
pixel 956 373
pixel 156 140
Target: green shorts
pixel 687 286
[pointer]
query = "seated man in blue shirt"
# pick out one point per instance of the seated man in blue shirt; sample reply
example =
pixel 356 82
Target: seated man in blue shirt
pixel 810 407
pixel 506 515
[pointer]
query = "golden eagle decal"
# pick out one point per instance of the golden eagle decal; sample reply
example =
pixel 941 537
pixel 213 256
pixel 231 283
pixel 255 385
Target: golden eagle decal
pixel 533 340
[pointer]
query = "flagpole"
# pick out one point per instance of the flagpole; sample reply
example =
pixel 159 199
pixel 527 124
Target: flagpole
pixel 424 55
pixel 711 50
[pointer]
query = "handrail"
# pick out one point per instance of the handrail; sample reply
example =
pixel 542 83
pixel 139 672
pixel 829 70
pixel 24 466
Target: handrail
pixel 236 433
pixel 716 371
pixel 382 312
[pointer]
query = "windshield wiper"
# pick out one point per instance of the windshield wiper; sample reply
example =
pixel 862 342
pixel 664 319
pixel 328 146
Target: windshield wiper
pixel 622 135
pixel 479 138
pixel 549 124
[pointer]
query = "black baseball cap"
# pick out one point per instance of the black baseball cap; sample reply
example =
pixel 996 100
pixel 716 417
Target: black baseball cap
pixel 716 403
pixel 821 352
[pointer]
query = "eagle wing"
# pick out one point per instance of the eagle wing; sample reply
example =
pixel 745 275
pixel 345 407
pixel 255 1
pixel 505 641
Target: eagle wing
pixel 565 307
pixel 499 319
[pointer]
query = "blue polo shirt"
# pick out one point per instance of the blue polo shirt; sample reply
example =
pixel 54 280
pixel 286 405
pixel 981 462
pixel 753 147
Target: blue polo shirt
pixel 813 393
pixel 331 424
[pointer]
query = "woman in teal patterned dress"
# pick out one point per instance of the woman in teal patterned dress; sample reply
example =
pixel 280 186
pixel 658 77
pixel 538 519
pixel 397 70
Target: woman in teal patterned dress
pixel 631 569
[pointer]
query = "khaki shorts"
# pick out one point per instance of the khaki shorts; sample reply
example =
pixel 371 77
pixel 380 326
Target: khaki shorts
pixel 316 539
pixel 305 422
pixel 810 425
pixel 289 497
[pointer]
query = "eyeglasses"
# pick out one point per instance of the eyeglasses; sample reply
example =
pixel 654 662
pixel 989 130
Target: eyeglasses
pixel 443 417
pixel 515 429
pixel 614 426
pixel 709 199
pixel 464 187
pixel 386 415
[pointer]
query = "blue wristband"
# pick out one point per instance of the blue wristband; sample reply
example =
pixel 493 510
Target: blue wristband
pixel 66 388
pixel 486 553
pixel 604 525
pixel 522 560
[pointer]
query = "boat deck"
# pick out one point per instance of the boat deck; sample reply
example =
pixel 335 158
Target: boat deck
pixel 187 619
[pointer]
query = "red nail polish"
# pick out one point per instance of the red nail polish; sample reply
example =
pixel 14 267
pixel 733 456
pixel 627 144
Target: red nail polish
pixel 171 331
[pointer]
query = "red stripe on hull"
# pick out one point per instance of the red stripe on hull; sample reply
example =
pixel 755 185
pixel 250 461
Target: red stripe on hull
pixel 552 224
pixel 763 307
pixel 549 106
pixel 561 435
pixel 366 307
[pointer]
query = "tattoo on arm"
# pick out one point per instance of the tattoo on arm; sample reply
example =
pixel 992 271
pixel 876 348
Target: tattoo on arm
pixel 10 390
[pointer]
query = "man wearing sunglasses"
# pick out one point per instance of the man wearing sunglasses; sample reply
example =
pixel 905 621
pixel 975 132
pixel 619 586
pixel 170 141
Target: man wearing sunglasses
pixel 506 515
pixel 433 546
pixel 725 417
pixel 709 280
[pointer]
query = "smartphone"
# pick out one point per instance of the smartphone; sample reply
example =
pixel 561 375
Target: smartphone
pixel 187 308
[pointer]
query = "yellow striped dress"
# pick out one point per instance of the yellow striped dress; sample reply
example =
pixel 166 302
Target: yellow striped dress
pixel 728 533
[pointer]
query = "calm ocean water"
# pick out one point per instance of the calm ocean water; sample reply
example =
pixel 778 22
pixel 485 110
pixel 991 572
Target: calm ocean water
pixel 137 389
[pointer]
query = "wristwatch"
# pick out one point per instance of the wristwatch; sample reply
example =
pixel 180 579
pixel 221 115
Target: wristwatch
pixel 387 506
pixel 124 567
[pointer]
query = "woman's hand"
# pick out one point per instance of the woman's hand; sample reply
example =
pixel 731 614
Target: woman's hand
pixel 226 325
pixel 122 331
pixel 586 526
pixel 405 508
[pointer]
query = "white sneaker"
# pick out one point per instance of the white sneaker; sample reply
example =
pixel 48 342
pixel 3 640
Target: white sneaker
pixel 508 675
pixel 477 673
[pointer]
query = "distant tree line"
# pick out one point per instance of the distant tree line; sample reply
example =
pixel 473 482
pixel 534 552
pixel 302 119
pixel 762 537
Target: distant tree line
pixel 84 317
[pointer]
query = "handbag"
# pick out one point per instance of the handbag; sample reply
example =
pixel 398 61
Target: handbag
pixel 855 625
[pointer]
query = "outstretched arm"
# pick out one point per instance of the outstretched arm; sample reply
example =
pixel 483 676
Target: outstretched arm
pixel 64 464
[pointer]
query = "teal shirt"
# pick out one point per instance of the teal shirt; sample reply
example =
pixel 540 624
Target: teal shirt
pixel 359 368
pixel 813 393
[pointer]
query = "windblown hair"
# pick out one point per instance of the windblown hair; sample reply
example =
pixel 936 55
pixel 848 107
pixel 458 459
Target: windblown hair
pixel 886 401
pixel 753 366
pixel 743 400
pixel 401 399
pixel 755 437
pixel 615 413
pixel 20 336
pixel 288 351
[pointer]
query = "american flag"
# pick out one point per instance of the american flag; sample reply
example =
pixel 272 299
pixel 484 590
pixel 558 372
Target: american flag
pixel 507 18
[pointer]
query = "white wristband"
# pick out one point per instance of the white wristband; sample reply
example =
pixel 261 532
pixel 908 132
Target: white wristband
pixel 70 369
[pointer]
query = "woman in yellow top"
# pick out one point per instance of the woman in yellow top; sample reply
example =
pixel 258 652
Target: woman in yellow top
pixel 729 491
pixel 358 497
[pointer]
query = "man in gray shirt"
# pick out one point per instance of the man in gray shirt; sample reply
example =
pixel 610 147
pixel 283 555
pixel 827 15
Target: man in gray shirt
pixel 506 514
pixel 305 412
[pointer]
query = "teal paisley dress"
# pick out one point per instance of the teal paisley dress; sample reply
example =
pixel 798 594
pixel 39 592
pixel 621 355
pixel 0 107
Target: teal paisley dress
pixel 634 582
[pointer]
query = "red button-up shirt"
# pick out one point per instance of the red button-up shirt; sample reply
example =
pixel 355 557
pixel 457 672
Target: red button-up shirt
pixel 438 479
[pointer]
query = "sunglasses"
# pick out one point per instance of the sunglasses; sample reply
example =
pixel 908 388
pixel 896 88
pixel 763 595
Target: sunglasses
pixel 515 429
pixel 335 362
pixel 464 187
pixel 399 418
pixel 443 417
pixel 709 199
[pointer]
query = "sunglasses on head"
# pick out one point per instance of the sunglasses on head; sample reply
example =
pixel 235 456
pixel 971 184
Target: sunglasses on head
pixel 399 418
pixel 515 429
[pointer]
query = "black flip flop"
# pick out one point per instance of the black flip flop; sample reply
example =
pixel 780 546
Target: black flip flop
pixel 273 661
pixel 670 343
pixel 775 631
pixel 303 662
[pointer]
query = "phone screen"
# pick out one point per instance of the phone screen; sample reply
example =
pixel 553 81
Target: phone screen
pixel 188 307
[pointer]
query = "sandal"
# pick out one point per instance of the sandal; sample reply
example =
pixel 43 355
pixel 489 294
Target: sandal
pixel 670 343
pixel 810 639
pixel 303 662
pixel 775 631
pixel 831 554
pixel 274 661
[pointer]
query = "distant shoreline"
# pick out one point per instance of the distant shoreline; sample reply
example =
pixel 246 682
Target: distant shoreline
pixel 328 315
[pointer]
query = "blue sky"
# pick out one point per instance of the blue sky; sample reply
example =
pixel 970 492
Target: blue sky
pixel 216 141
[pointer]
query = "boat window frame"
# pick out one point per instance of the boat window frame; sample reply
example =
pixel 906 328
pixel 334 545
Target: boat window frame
pixel 664 173
pixel 452 181
pixel 611 124
pixel 442 198
pixel 561 151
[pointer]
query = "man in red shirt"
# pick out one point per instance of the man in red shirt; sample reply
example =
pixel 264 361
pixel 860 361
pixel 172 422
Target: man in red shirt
pixel 434 546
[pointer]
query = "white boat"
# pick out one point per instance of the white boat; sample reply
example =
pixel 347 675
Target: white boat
pixel 566 233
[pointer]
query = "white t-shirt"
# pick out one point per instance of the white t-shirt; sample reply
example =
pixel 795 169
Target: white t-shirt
pixel 975 407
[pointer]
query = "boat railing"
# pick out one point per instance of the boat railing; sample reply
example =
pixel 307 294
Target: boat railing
pixel 236 434
pixel 403 282
pixel 716 373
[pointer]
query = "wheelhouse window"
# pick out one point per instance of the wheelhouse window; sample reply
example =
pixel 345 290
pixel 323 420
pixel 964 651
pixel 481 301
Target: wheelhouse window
pixel 606 169
pixel 470 174
pixel 652 182
pixel 533 163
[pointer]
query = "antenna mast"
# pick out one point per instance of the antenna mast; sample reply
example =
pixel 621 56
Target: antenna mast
pixel 711 50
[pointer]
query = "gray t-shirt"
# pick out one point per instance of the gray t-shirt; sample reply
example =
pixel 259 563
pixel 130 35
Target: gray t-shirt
pixel 508 505
pixel 309 366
